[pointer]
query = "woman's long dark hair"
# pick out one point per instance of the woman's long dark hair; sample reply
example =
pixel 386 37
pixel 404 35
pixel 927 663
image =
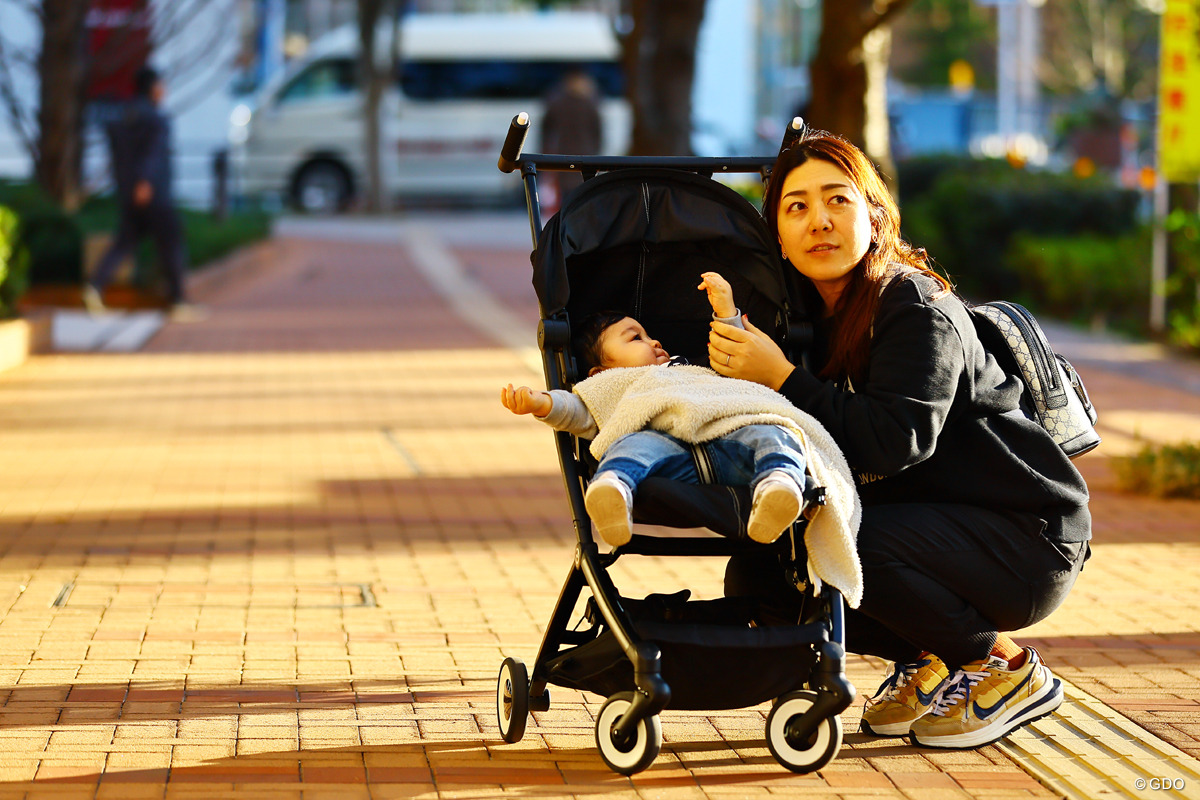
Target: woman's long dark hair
pixel 857 305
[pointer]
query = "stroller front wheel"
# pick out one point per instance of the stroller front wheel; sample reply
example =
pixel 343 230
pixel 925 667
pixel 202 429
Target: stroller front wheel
pixel 512 700
pixel 812 752
pixel 642 748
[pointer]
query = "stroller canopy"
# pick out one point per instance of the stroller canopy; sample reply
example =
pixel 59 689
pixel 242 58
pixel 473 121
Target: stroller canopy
pixel 635 241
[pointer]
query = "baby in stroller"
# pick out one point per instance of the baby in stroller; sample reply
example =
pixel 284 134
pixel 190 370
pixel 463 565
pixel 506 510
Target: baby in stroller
pixel 642 419
pixel 637 239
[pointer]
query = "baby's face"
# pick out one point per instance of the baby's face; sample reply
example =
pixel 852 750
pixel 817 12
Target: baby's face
pixel 626 344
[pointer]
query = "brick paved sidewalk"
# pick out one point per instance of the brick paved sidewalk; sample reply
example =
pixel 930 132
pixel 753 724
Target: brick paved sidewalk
pixel 282 552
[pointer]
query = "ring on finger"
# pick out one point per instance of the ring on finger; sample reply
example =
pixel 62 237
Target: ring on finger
pixel 728 356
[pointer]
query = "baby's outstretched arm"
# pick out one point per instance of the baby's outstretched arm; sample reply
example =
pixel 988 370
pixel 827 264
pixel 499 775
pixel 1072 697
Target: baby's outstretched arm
pixel 560 409
pixel 524 400
pixel 720 294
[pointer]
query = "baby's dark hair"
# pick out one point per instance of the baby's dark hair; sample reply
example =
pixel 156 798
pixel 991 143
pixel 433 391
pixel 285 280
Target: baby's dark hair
pixel 587 338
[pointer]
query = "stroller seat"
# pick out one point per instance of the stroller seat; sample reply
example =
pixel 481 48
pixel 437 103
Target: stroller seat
pixel 635 239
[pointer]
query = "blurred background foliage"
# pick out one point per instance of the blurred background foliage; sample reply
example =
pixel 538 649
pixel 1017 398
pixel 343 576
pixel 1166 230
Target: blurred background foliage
pixel 1092 48
pixel 47 243
pixel 1161 470
pixel 1068 236
pixel 1075 248
pixel 14 262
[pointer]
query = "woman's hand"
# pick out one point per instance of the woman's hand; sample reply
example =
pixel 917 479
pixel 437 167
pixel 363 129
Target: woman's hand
pixel 524 400
pixel 747 354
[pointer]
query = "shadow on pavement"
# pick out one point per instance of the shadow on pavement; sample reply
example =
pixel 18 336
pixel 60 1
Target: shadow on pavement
pixel 397 512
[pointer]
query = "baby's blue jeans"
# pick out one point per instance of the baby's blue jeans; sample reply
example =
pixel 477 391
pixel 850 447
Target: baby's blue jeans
pixel 741 458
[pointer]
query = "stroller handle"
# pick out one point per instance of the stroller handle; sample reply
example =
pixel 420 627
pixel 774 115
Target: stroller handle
pixel 793 133
pixel 510 152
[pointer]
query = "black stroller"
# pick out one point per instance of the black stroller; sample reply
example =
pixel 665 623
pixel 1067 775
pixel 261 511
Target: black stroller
pixel 635 238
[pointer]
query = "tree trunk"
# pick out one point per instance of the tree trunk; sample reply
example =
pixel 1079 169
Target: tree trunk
pixel 839 72
pixel 877 126
pixel 61 74
pixel 372 81
pixel 849 71
pixel 660 67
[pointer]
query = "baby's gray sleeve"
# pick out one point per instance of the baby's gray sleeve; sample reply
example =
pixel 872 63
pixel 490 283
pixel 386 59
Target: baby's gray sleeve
pixel 568 413
pixel 735 320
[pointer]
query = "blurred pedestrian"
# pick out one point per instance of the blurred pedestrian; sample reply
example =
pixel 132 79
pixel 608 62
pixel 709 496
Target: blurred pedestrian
pixel 140 150
pixel 571 126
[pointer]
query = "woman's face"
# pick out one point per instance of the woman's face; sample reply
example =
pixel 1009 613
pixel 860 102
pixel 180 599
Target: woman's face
pixel 824 225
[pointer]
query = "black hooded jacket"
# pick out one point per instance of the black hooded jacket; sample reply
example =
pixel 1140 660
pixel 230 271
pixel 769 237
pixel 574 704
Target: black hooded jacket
pixel 937 420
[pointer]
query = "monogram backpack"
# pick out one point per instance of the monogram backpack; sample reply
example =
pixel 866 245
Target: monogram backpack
pixel 1054 395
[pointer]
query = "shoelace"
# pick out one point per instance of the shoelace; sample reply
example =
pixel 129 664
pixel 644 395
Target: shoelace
pixel 957 688
pixel 893 683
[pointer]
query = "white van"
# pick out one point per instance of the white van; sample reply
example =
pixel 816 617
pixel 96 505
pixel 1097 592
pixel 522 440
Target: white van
pixel 464 77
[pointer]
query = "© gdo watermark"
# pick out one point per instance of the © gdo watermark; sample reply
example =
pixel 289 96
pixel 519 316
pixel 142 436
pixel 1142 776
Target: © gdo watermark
pixel 1160 784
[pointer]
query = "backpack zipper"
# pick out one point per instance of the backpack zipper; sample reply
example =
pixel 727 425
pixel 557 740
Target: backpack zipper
pixel 1047 377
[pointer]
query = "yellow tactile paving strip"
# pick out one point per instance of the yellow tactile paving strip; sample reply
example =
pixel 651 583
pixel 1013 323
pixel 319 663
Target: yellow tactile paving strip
pixel 1086 750
pixel 282 553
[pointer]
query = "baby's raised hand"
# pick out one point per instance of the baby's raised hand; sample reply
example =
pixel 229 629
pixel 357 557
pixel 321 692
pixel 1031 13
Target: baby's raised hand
pixel 523 400
pixel 720 294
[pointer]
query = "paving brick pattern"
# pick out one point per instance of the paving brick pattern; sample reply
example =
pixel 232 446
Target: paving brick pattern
pixel 280 553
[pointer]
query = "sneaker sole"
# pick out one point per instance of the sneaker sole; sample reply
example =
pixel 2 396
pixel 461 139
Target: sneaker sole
pixel 1032 709
pixel 610 514
pixel 892 730
pixel 772 515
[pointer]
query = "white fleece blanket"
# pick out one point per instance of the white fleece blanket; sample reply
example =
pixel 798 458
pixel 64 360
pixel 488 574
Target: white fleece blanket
pixel 696 404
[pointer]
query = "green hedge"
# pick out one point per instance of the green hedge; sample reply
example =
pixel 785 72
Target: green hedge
pixel 14 262
pixel 206 238
pixel 1087 277
pixel 1183 285
pixel 54 239
pixel 967 212
pixel 209 240
pixel 1068 247
pixel 1161 470
pixel 1105 280
pixel 49 235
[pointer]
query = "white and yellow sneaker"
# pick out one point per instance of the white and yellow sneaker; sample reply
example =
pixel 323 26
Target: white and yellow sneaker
pixel 609 503
pixel 986 701
pixel 906 695
pixel 777 502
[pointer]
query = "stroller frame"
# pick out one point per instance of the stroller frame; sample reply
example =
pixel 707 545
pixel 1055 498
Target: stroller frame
pixel 803 729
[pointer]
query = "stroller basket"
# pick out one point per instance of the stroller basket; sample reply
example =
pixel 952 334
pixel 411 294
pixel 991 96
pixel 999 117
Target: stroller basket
pixel 703 655
pixel 634 238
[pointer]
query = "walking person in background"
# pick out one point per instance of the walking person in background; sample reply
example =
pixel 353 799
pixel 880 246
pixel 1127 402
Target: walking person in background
pixel 571 126
pixel 140 150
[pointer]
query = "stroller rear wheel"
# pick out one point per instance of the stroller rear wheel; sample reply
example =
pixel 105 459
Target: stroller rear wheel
pixel 512 700
pixel 810 753
pixel 643 745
